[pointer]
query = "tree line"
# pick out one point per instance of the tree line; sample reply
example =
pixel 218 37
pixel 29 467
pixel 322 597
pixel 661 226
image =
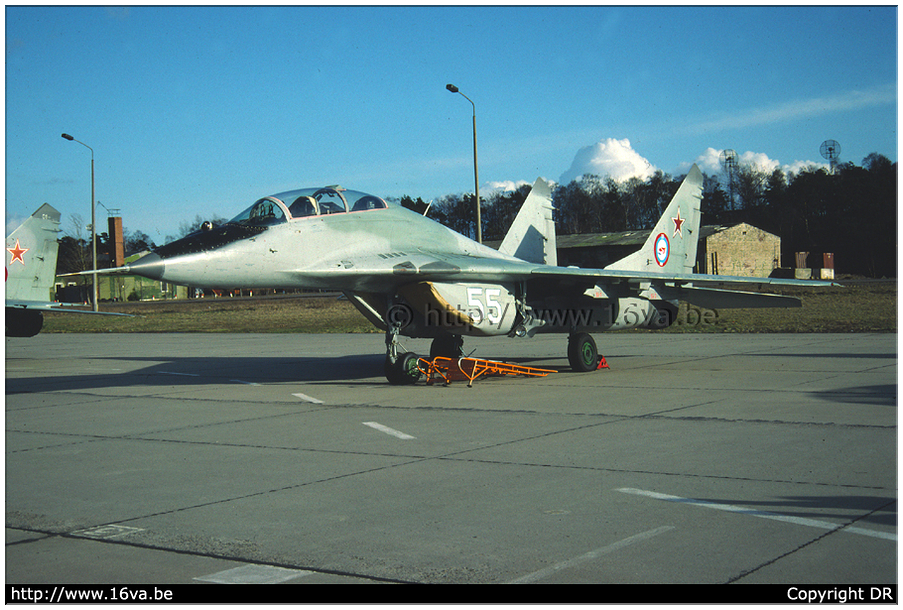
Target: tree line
pixel 850 211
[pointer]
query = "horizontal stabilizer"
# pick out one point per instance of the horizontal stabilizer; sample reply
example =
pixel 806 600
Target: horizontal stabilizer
pixel 57 307
pixel 714 298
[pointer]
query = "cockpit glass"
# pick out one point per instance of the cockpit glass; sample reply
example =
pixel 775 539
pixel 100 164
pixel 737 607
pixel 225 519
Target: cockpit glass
pixel 263 213
pixel 303 205
pixel 362 201
pixel 306 202
pixel 330 201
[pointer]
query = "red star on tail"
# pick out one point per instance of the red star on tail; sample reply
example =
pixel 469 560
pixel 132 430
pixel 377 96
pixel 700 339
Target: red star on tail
pixel 677 223
pixel 17 253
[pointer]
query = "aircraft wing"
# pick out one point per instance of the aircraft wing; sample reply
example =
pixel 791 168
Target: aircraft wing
pixel 677 278
pixel 380 275
pixel 697 289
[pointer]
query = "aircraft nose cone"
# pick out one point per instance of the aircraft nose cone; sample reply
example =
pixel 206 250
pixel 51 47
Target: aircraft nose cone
pixel 151 266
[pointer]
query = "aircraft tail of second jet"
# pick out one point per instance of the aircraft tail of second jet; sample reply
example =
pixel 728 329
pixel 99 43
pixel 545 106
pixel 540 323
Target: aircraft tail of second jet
pixel 671 247
pixel 31 252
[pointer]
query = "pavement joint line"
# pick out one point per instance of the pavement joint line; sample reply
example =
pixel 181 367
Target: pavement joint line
pixel 805 521
pixel 120 541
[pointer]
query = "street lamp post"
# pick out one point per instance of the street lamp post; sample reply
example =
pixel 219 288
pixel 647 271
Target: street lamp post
pixel 476 174
pixel 93 225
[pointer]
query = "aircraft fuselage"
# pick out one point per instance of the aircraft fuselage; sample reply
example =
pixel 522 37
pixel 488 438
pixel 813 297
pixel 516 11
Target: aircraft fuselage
pixel 376 257
pixel 311 252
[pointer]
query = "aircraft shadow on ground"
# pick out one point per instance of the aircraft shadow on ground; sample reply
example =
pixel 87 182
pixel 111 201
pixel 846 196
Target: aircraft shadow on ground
pixel 206 371
pixel 876 395
pixel 881 510
pixel 842 355
pixel 195 371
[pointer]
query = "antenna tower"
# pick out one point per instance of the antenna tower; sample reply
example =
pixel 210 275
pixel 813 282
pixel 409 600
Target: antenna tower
pixel 830 150
pixel 729 163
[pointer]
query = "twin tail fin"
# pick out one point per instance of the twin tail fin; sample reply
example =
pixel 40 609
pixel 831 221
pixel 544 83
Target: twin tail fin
pixel 532 235
pixel 671 247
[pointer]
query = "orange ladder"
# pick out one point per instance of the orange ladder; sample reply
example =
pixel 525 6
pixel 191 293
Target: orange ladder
pixel 453 369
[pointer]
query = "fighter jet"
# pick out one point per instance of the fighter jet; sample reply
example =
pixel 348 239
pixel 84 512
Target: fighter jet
pixel 411 276
pixel 30 272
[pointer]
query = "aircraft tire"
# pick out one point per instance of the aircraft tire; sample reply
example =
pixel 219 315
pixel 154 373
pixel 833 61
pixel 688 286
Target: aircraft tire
pixel 404 371
pixel 582 353
pixel 23 322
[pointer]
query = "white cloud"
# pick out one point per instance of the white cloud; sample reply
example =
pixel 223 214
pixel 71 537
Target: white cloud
pixel 503 186
pixel 760 161
pixel 710 163
pixel 798 166
pixel 610 157
pixel 617 159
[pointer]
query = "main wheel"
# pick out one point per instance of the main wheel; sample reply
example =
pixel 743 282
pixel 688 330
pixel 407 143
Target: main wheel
pixel 582 353
pixel 405 369
pixel 23 322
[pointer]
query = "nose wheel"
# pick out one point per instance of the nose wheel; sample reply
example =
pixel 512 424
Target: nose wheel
pixel 404 371
pixel 399 367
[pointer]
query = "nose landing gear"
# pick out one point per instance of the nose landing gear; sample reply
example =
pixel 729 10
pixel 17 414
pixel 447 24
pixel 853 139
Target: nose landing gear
pixel 399 368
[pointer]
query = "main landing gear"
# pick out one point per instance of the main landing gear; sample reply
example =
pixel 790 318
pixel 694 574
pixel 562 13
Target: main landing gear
pixel 583 355
pixel 401 368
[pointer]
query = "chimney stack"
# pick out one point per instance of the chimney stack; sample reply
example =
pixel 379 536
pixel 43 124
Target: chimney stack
pixel 117 243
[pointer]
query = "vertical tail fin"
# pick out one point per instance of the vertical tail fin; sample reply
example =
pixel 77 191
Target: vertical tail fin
pixel 31 252
pixel 532 235
pixel 671 247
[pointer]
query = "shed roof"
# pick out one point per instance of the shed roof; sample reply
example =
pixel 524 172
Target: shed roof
pixel 623 238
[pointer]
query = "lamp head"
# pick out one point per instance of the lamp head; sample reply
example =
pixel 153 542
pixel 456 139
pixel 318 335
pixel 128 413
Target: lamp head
pixel 68 137
pixel 451 88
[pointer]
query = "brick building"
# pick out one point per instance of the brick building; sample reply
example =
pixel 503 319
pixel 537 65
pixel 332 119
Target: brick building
pixel 742 250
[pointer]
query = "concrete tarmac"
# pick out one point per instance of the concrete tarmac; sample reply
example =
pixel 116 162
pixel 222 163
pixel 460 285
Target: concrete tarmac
pixel 695 458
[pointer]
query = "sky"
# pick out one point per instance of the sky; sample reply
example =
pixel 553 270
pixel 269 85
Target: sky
pixel 199 111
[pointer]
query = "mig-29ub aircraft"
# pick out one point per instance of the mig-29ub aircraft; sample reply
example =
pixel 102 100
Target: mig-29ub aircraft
pixel 30 273
pixel 412 276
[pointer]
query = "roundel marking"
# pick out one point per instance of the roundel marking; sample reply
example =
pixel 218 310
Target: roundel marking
pixel 662 249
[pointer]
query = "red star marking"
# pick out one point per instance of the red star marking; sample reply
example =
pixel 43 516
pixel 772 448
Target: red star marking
pixel 17 253
pixel 677 223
